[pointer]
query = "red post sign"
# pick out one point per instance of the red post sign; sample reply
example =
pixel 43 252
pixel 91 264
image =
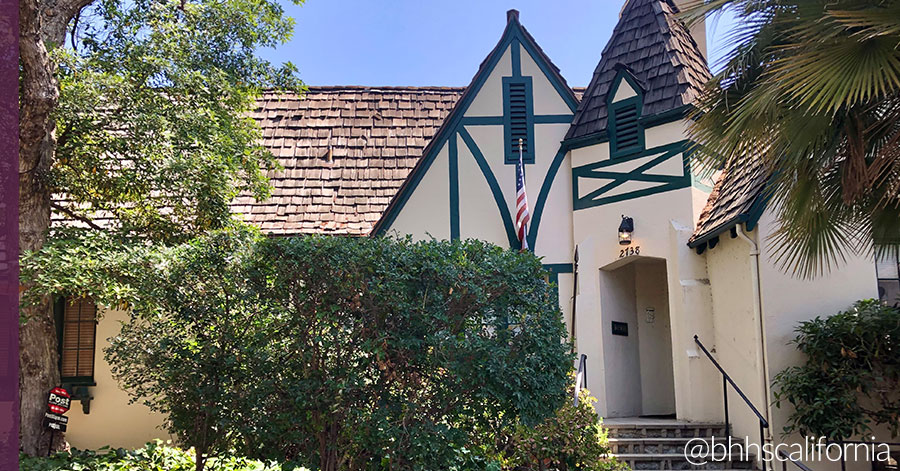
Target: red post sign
pixel 59 400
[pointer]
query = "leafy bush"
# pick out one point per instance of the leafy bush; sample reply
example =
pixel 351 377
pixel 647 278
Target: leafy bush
pixel 851 378
pixel 572 439
pixel 153 457
pixel 344 353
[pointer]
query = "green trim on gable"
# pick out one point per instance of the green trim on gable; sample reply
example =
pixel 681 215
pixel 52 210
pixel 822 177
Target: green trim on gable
pixel 453 122
pixel 494 186
pixel 562 90
pixel 454 187
pixel 544 193
pixel 554 270
pixel 510 154
pixel 498 120
pixel 516 58
pixel 668 182
pixel 666 117
pixel 629 106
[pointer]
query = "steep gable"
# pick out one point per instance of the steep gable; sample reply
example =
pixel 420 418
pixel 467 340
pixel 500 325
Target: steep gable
pixel 482 105
pixel 657 49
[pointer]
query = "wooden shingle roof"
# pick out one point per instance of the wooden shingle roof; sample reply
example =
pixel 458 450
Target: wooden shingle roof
pixel 738 197
pixel 345 151
pixel 656 47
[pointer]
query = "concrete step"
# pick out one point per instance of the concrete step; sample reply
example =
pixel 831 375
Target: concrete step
pixel 678 461
pixel 668 444
pixel 663 429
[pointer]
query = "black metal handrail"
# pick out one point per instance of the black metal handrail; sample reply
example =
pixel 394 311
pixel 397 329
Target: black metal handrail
pixel 726 380
pixel 786 457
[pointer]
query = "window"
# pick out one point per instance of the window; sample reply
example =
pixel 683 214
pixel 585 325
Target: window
pixel 626 135
pixel 76 320
pixel 886 268
pixel 518 119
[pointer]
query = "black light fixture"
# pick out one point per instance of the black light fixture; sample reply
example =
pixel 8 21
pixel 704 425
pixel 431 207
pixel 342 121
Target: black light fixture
pixel 626 229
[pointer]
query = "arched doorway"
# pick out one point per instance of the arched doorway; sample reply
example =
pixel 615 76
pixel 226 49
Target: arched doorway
pixel 637 338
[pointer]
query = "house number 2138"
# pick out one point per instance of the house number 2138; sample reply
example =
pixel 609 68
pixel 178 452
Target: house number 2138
pixel 629 251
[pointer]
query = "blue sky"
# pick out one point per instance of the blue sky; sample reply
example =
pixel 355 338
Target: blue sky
pixel 425 42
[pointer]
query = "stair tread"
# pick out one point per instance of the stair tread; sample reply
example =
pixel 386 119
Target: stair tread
pixel 659 455
pixel 663 439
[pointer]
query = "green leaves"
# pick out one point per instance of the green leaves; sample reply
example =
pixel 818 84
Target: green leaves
pixel 342 353
pixel 153 136
pixel 154 456
pixel 811 91
pixel 851 378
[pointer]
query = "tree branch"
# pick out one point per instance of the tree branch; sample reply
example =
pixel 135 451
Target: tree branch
pixel 74 215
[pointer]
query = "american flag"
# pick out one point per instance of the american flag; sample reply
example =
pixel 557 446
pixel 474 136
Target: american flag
pixel 522 216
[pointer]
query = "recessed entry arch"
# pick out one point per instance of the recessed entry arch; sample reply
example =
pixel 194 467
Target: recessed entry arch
pixel 636 338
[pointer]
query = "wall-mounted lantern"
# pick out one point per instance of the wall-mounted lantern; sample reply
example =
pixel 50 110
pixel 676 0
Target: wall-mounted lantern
pixel 626 230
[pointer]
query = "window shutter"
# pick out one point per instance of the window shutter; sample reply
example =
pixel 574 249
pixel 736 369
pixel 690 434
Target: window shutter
pixel 518 119
pixel 627 134
pixel 78 338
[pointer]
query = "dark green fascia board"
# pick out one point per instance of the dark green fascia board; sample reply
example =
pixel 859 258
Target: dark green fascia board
pixel 624 74
pixel 450 126
pixel 564 91
pixel 749 218
pixel 718 230
pixel 452 123
pixel 664 117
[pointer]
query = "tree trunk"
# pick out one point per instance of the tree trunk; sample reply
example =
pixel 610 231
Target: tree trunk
pixel 42 24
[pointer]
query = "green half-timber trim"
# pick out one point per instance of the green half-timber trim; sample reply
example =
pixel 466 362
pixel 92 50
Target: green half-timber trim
pixel 454 187
pixel 494 186
pixel 665 117
pixel 549 178
pixel 554 270
pixel 454 122
pixel 595 170
pixel 498 120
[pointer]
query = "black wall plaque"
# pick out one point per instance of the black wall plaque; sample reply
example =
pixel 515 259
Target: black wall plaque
pixel 620 328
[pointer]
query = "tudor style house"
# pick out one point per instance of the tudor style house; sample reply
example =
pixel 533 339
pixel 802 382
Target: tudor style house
pixel 441 162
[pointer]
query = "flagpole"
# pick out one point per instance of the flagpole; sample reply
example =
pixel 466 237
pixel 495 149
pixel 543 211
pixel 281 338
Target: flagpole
pixel 524 245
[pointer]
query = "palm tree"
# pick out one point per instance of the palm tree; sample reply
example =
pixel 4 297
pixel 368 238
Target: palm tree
pixel 811 92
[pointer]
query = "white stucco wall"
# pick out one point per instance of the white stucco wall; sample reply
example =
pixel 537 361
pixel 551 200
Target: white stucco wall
pixel 663 224
pixel 735 341
pixel 788 300
pixel 112 420
pixel 427 212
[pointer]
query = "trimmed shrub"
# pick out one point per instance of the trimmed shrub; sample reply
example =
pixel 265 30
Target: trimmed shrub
pixel 344 353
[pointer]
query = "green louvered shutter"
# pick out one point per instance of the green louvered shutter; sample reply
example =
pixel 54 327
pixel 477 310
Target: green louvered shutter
pixel 518 119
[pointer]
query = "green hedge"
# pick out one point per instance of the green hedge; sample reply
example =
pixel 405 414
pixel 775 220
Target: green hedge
pixel 154 456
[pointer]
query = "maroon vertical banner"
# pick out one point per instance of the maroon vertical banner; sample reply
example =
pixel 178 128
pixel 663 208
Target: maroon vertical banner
pixel 9 234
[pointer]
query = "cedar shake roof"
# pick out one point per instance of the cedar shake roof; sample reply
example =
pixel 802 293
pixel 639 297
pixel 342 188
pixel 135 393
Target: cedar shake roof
pixel 345 151
pixel 656 47
pixel 736 198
